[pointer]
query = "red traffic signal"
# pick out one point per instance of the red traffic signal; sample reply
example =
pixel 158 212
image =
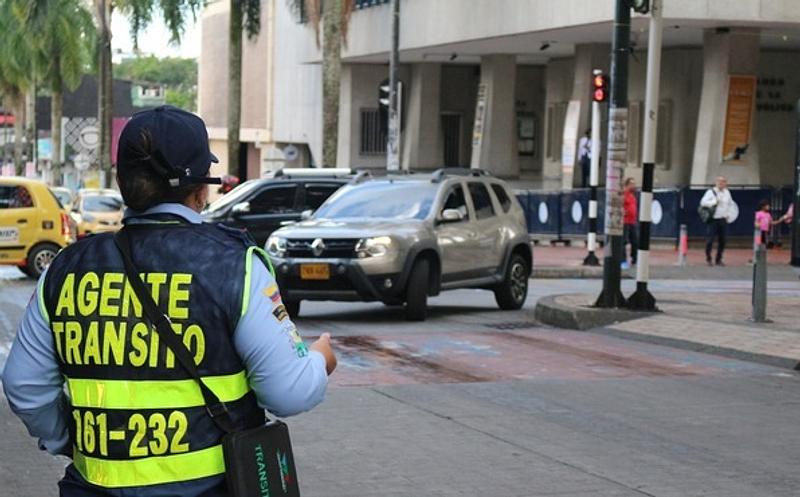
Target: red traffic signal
pixel 599 88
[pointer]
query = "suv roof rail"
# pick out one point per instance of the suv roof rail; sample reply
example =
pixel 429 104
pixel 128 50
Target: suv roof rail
pixel 327 172
pixel 360 177
pixel 440 174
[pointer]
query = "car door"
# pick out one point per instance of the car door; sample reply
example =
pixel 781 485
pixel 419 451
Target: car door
pixel 456 239
pixel 270 207
pixel 19 222
pixel 487 229
pixel 316 193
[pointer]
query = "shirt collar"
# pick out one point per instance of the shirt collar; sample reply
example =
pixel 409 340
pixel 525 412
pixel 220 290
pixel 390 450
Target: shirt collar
pixel 179 210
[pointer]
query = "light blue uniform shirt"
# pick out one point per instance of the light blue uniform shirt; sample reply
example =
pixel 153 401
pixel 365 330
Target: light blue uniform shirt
pixel 286 377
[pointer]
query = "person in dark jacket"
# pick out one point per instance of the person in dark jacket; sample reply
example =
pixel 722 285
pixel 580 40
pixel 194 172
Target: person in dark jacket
pixel 90 377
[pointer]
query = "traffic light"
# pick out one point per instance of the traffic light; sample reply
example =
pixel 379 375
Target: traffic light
pixel 599 86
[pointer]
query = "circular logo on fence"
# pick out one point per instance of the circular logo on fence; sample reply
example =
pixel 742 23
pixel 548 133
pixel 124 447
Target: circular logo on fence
pixel 543 213
pixel 89 137
pixel 656 212
pixel 734 213
pixel 577 212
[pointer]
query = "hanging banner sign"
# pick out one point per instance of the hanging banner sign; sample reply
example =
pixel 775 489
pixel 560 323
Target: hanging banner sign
pixel 738 117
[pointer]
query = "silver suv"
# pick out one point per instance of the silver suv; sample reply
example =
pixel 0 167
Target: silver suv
pixel 400 239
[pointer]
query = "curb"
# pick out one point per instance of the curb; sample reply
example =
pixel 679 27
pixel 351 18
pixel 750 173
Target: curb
pixel 585 318
pixel 571 272
pixel 742 355
pixel 549 311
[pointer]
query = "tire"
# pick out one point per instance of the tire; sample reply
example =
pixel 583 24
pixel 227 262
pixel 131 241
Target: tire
pixel 40 257
pixel 417 291
pixel 293 308
pixel 511 293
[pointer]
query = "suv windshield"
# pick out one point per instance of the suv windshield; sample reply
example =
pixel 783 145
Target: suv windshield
pixel 233 197
pixel 381 200
pixel 101 203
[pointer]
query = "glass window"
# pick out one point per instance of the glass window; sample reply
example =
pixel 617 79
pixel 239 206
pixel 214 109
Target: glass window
pixel 481 200
pixel 455 200
pixel 381 200
pixel 316 194
pixel 15 197
pixel 234 196
pixel 275 200
pixel 502 196
pixel 102 203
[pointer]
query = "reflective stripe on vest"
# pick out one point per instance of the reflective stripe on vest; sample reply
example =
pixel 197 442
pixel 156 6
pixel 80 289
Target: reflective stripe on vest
pixel 153 394
pixel 150 470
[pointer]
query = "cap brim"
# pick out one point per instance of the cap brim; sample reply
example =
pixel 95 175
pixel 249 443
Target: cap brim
pixel 213 158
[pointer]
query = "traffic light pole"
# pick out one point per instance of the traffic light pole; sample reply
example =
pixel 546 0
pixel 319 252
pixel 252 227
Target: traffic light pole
pixel 393 138
pixel 642 299
pixel 594 173
pixel 611 296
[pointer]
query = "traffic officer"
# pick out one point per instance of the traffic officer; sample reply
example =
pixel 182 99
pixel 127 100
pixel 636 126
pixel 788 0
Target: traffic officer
pixel 132 419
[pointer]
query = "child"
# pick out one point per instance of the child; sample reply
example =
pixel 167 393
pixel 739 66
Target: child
pixel 763 220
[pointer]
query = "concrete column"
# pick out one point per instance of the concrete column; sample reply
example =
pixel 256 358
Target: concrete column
pixel 725 52
pixel 422 131
pixel 498 150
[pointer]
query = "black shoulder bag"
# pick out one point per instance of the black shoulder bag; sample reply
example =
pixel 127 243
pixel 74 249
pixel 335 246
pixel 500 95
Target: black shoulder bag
pixel 258 461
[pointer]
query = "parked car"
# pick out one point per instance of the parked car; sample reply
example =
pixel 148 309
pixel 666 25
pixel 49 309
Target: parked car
pixel 261 206
pixel 401 239
pixel 97 211
pixel 64 195
pixel 33 225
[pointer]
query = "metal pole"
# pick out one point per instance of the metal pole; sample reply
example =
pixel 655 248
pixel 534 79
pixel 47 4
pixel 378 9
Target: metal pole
pixel 683 245
pixel 642 299
pixel 611 296
pixel 759 314
pixel 796 200
pixel 594 172
pixel 393 138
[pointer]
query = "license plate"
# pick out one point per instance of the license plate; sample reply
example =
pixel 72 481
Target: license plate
pixel 315 272
pixel 9 234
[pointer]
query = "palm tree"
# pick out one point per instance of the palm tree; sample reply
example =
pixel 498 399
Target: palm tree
pixel 64 36
pixel 16 69
pixel 334 16
pixel 245 17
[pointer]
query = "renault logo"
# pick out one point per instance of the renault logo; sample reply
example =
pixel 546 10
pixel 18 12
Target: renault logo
pixel 317 247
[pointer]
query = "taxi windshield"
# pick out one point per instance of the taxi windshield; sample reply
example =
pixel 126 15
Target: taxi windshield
pixel 102 203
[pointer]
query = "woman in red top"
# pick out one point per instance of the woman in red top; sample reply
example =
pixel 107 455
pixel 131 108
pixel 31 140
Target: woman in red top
pixel 629 219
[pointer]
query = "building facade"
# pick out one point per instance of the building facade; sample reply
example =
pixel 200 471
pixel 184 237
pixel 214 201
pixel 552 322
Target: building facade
pixel 729 87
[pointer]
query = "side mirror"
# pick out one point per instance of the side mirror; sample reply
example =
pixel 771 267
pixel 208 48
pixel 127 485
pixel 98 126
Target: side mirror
pixel 240 208
pixel 306 214
pixel 451 216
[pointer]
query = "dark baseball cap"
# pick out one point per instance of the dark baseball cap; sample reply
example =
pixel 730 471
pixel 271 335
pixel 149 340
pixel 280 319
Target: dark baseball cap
pixel 178 149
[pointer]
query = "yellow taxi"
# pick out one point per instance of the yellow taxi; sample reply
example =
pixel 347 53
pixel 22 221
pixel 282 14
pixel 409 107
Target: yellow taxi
pixel 33 225
pixel 97 210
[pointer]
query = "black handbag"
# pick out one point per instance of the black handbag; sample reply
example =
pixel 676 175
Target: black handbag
pixel 707 213
pixel 259 461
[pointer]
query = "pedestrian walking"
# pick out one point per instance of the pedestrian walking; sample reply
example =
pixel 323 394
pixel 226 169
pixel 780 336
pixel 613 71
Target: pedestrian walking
pixel 722 210
pixel 763 221
pixel 136 420
pixel 585 157
pixel 629 219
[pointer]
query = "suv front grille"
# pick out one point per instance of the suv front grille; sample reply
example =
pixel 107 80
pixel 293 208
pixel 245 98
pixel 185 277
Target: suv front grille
pixel 337 248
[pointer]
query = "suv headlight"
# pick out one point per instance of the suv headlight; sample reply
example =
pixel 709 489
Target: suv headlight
pixel 373 247
pixel 276 246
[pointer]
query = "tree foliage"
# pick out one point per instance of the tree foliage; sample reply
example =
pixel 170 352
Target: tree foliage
pixel 178 75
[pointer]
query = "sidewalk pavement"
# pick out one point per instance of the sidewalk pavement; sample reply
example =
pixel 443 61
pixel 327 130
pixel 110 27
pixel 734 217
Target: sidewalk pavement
pixel 567 262
pixel 700 321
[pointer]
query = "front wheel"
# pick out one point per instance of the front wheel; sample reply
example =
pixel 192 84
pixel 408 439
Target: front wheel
pixel 40 257
pixel 512 292
pixel 417 291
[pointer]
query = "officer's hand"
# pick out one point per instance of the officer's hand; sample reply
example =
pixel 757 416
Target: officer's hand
pixel 323 346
